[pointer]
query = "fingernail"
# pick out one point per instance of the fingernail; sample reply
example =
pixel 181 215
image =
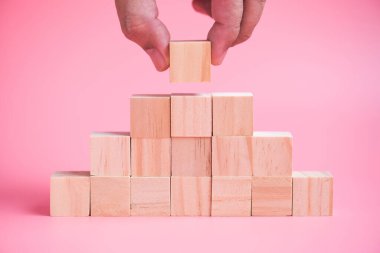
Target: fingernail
pixel 220 59
pixel 158 59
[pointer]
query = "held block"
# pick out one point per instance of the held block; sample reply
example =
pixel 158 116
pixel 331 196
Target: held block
pixel 110 154
pixel 70 193
pixel 110 196
pixel 272 154
pixel 312 193
pixel 271 196
pixel 191 196
pixel 151 157
pixel 190 61
pixel 231 196
pixel 150 196
pixel 191 115
pixel 232 155
pixel 150 116
pixel 191 157
pixel 232 114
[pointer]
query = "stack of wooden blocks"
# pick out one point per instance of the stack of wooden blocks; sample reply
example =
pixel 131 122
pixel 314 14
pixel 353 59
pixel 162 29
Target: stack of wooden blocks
pixel 191 155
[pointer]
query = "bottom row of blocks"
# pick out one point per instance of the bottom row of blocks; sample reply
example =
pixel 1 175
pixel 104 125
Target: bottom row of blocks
pixel 78 194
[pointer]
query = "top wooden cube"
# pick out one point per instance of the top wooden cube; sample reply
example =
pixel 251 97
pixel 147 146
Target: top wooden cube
pixel 232 114
pixel 191 115
pixel 190 61
pixel 150 116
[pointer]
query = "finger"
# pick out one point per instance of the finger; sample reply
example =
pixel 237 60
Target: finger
pixel 251 16
pixel 202 6
pixel 139 23
pixel 227 15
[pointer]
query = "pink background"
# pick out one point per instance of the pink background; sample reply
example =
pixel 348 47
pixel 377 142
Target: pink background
pixel 66 70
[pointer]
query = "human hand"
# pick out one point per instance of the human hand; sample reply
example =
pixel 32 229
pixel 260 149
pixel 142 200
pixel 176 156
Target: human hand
pixel 234 24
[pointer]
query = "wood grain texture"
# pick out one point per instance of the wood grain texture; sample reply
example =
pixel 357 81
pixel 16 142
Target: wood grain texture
pixel 232 155
pixel 110 154
pixel 150 196
pixel 70 193
pixel 312 193
pixel 231 196
pixel 191 156
pixel 271 196
pixel 272 154
pixel 110 196
pixel 191 115
pixel 190 61
pixel 232 114
pixel 150 116
pixel 191 196
pixel 151 157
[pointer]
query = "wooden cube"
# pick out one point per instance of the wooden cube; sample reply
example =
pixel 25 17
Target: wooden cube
pixel 191 196
pixel 271 196
pixel 110 154
pixel 190 61
pixel 232 155
pixel 151 157
pixel 150 116
pixel 232 114
pixel 110 196
pixel 70 193
pixel 150 196
pixel 272 154
pixel 312 193
pixel 191 115
pixel 231 196
pixel 191 157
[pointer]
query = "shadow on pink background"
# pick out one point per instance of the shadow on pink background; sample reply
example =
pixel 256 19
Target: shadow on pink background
pixel 66 70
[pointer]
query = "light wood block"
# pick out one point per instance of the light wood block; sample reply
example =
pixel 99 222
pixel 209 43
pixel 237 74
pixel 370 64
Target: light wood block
pixel 191 157
pixel 312 193
pixel 151 157
pixel 191 196
pixel 190 61
pixel 150 196
pixel 110 154
pixel 232 114
pixel 191 115
pixel 272 154
pixel 70 193
pixel 110 196
pixel 271 196
pixel 231 196
pixel 232 155
pixel 150 116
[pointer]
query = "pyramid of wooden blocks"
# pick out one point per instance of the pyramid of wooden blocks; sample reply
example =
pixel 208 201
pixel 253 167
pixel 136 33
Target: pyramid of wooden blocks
pixel 191 155
pixel 190 61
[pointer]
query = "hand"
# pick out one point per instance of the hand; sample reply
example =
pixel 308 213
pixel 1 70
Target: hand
pixel 234 24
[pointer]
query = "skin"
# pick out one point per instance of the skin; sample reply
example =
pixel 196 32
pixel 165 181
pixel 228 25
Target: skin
pixel 234 24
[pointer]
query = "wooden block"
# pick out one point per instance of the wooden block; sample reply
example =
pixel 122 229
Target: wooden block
pixel 110 154
pixel 271 196
pixel 191 157
pixel 151 157
pixel 232 155
pixel 150 116
pixel 190 61
pixel 110 196
pixel 150 196
pixel 312 193
pixel 272 154
pixel 231 196
pixel 191 115
pixel 191 196
pixel 70 193
pixel 232 114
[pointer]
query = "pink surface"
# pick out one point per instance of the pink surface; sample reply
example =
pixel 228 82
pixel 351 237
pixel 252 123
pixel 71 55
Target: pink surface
pixel 66 70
